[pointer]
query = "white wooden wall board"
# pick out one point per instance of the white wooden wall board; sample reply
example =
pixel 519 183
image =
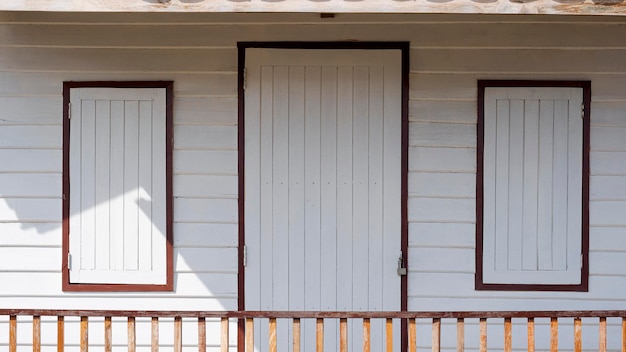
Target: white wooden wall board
pixel 526 60
pixel 206 260
pixel 441 184
pixel 442 134
pixel 606 213
pixel 30 110
pixel 35 234
pixel 608 138
pixel 30 209
pixel 442 110
pixel 608 113
pixel 30 259
pixel 437 260
pixel 607 188
pixel 219 111
pixel 118 59
pixel 442 159
pixel 205 235
pixel 442 210
pixel 33 136
pixel 440 234
pixel 30 185
pixel 205 186
pixel 205 210
pixel 209 284
pixel 607 163
pixel 205 137
pixel 205 162
pixel 30 160
pixel 606 263
pixel 606 239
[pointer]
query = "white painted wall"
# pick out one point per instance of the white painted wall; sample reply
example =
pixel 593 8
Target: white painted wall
pixel 198 52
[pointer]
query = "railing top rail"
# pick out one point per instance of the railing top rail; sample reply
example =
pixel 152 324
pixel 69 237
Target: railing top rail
pixel 317 314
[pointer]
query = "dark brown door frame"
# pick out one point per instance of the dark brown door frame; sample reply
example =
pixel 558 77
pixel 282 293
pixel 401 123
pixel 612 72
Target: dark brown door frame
pixel 404 236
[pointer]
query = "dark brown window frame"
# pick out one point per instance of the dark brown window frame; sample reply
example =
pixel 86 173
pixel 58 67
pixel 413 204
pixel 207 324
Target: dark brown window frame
pixel 169 112
pixel 584 272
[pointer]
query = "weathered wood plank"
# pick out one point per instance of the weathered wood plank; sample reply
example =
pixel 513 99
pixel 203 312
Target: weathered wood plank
pixel 602 334
pixel 296 334
pixel 483 334
pixel 554 334
pixel 412 335
pixel 132 344
pixel 36 333
pixel 343 335
pixel 12 333
pixel 578 339
pixel 61 334
pixel 84 334
pixel 389 334
pixel 624 334
pixel 319 335
pixel 460 335
pixel 108 335
pixel 249 335
pixel 436 335
pixel 178 334
pixel 224 336
pixel 201 334
pixel 366 335
pixel 508 338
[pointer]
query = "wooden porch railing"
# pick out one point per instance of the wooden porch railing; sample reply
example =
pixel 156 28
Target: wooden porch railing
pixel 246 321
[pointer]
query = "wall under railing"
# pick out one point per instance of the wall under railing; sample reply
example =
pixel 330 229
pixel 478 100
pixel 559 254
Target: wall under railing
pixel 557 323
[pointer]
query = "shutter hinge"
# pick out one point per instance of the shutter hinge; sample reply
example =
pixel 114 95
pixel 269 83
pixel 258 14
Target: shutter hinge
pixel 69 261
pixel 582 111
pixel 245 78
pixel 69 111
pixel 245 255
pixel 401 266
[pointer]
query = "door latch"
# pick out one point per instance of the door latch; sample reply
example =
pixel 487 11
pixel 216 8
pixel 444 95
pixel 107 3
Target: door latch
pixel 401 266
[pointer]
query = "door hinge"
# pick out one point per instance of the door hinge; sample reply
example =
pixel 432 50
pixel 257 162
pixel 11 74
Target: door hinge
pixel 582 111
pixel 245 78
pixel 69 261
pixel 245 255
pixel 401 266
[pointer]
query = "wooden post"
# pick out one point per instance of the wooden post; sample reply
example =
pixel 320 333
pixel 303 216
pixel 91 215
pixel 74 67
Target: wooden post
pixel 508 345
pixel 412 335
pixel 578 333
pixel 154 334
pixel 108 335
pixel 224 339
pixel 201 334
pixel 343 335
pixel 483 334
pixel 12 333
pixel 530 326
pixel 319 335
pixel 436 335
pixel 366 335
pixel 178 334
pixel 272 335
pixel 249 335
pixel 131 334
pixel 296 334
pixel 84 334
pixel 60 334
pixel 36 333
pixel 460 335
pixel 623 334
pixel 389 334
pixel 602 335
pixel 554 334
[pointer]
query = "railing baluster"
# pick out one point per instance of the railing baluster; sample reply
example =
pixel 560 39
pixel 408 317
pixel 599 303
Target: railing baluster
pixel 36 333
pixel 108 335
pixel 131 334
pixel 343 335
pixel 224 340
pixel 554 334
pixel 623 334
pixel 460 335
pixel 602 335
pixel 84 334
pixel 366 335
pixel 508 346
pixel 319 335
pixel 249 335
pixel 530 327
pixel 483 334
pixel 201 334
pixel 60 333
pixel 389 334
pixel 12 333
pixel 154 334
pixel 436 335
pixel 296 335
pixel 578 335
pixel 178 334
pixel 412 335
pixel 272 335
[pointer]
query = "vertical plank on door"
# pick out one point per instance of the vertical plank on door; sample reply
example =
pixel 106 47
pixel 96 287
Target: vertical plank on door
pixel 545 187
pixel 531 185
pixel 560 196
pixel 131 184
pixel 116 209
pixel 501 181
pixel 102 184
pixel 88 177
pixel 515 184
pixel 145 179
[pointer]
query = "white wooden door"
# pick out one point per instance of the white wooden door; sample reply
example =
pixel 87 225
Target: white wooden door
pixel 322 180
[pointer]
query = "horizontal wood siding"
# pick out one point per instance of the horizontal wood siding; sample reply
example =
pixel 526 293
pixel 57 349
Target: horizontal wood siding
pixel 198 52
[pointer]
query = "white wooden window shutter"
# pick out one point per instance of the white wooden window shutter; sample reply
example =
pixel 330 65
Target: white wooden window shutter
pixel 532 185
pixel 118 186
